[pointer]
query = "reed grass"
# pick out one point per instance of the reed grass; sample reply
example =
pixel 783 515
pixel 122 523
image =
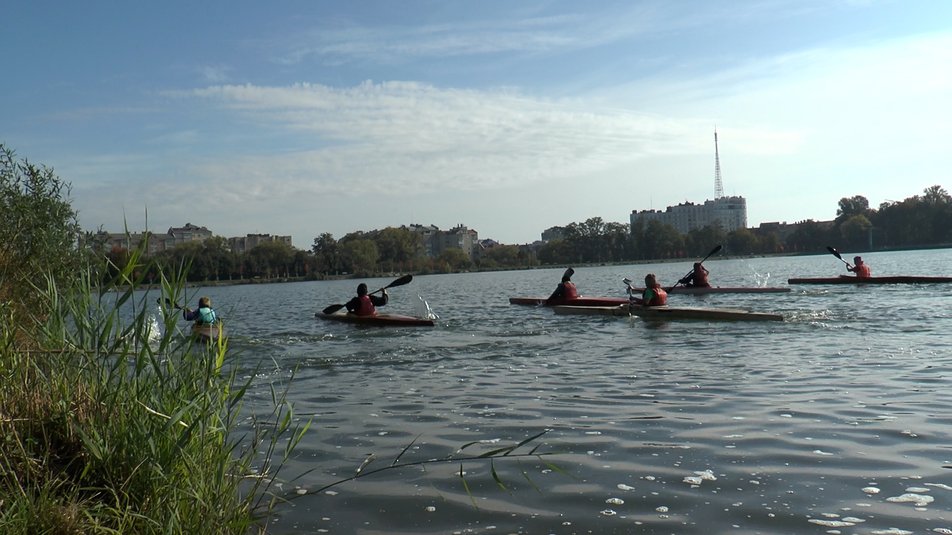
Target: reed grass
pixel 109 425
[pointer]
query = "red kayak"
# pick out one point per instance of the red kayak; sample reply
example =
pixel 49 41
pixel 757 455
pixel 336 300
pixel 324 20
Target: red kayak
pixel 580 301
pixel 850 279
pixel 377 320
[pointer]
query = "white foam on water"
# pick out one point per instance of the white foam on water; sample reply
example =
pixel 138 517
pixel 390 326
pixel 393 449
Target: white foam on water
pixel 622 486
pixel 920 500
pixel 830 523
pixel 615 501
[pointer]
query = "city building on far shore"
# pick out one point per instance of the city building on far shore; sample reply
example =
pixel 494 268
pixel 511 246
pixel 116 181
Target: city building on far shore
pixel 728 212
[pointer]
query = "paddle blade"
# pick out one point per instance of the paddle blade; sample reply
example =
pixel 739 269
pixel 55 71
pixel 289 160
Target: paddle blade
pixel 332 309
pixel 399 282
pixel 714 251
pixel 834 252
pixel 568 273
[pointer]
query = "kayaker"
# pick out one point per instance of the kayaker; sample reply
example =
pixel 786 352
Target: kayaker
pixel 860 268
pixel 565 291
pixel 653 295
pixel 205 315
pixel 697 278
pixel 365 304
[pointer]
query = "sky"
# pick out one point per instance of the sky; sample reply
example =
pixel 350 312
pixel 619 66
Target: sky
pixel 308 117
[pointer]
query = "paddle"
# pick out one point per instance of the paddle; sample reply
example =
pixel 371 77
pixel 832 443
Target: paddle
pixel 836 253
pixel 399 282
pixel 168 302
pixel 685 278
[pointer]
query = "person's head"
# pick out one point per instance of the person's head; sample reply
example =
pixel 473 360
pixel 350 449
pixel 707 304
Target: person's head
pixel 651 281
pixel 858 260
pixel 204 302
pixel 361 289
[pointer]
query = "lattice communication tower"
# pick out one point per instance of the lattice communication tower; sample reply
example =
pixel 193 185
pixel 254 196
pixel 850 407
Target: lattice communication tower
pixel 718 185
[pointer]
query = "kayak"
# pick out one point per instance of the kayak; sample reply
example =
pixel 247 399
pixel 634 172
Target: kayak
pixel 701 290
pixel 850 279
pixel 580 301
pixel 377 320
pixel 204 332
pixel 671 313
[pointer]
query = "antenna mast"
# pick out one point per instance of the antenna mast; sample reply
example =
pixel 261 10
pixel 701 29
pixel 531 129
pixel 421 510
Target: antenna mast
pixel 718 185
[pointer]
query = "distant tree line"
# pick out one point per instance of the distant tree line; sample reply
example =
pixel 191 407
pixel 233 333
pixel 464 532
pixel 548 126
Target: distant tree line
pixel 919 221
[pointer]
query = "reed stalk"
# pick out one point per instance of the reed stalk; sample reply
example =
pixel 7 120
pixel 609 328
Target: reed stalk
pixel 109 425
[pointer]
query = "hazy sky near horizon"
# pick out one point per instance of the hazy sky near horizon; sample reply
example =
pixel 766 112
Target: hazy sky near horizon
pixel 304 117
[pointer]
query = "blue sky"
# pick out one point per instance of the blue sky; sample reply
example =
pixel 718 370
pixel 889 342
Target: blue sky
pixel 304 117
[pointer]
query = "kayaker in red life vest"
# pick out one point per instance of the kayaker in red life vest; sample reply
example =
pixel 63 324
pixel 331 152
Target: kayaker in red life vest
pixel 860 268
pixel 365 304
pixel 697 278
pixel 654 295
pixel 564 292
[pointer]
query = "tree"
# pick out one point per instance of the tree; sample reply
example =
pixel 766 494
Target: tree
pixel 850 206
pixel 273 258
pixel 501 256
pixel 660 241
pixel 808 236
pixel 398 248
pixel 700 241
pixel 359 256
pixel 453 259
pixel 327 252
pixel 855 231
pixel 742 241
pixel 38 232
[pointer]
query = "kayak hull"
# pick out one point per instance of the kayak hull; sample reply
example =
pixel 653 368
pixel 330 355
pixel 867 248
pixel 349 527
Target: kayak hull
pixel 208 333
pixel 581 301
pixel 849 279
pixel 671 313
pixel 722 290
pixel 378 320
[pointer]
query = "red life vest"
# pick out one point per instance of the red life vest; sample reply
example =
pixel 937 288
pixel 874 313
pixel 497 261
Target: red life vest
pixel 571 292
pixel 862 271
pixel 366 306
pixel 659 298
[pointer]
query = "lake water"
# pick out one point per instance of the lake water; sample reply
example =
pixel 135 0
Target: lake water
pixel 837 420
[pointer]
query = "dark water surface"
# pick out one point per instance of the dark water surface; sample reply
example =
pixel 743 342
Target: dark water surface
pixel 838 420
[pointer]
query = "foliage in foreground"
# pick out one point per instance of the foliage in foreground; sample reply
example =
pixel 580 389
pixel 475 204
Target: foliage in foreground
pixel 115 425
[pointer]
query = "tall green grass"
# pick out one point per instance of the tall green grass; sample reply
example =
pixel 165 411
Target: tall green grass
pixel 109 425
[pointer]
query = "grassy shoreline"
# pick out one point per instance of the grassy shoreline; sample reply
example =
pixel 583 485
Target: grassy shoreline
pixel 108 426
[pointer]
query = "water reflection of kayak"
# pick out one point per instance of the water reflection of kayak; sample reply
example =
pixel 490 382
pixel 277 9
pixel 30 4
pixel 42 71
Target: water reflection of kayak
pixel 379 320
pixel 671 313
